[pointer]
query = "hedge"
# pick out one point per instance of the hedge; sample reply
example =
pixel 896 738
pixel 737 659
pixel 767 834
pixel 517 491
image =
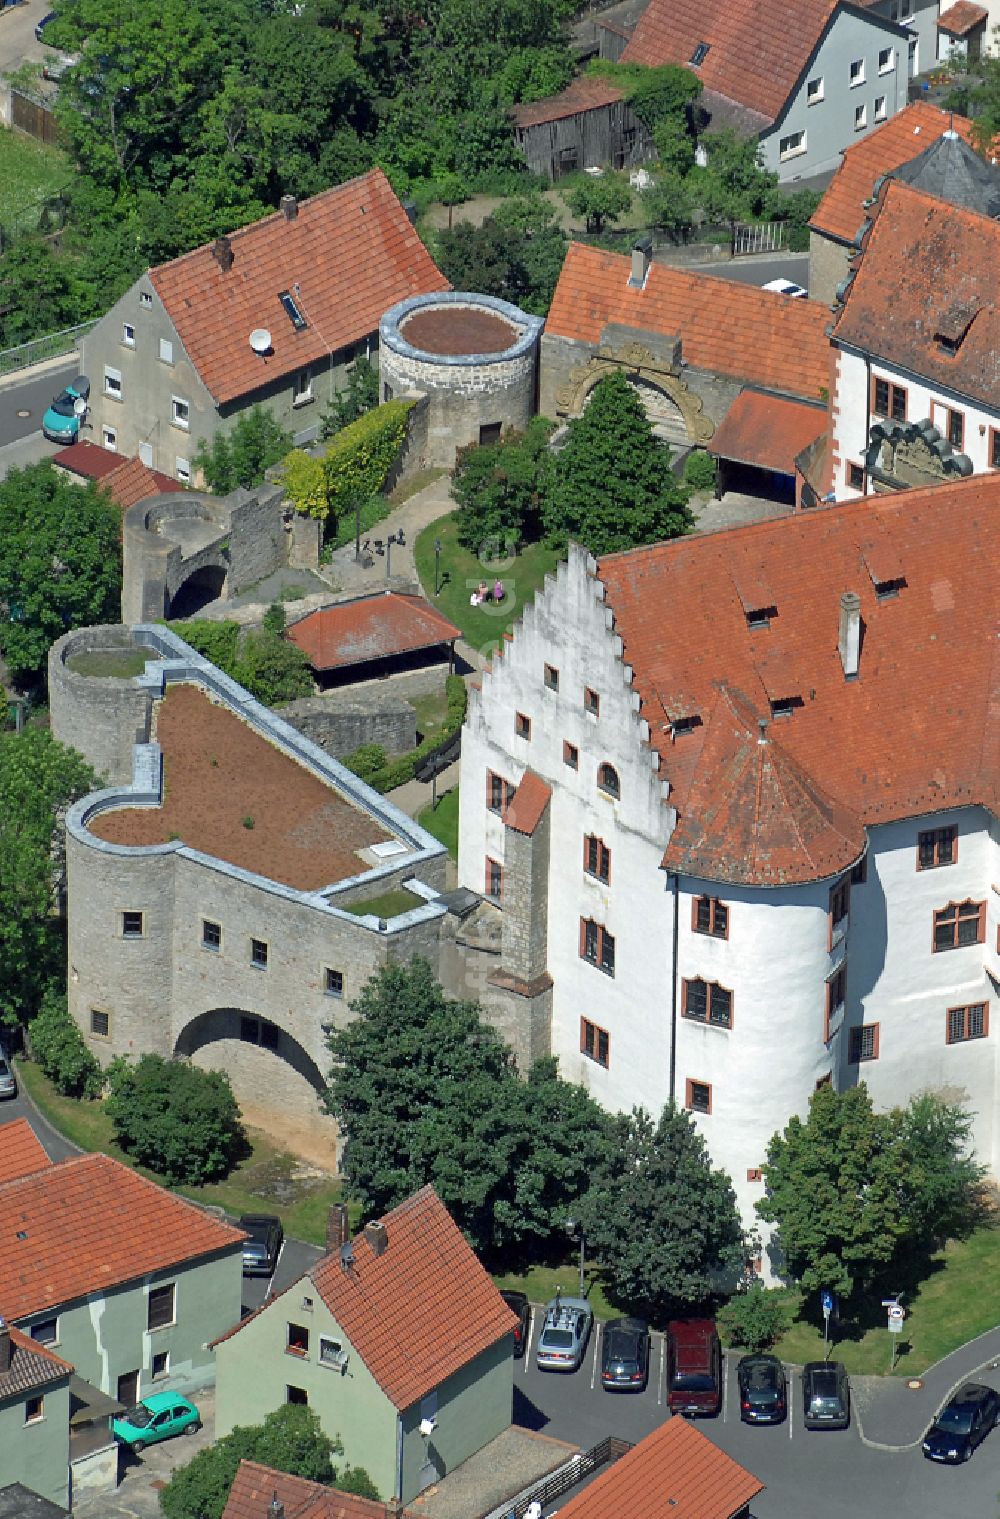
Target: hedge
pixel 356 463
pixel 370 764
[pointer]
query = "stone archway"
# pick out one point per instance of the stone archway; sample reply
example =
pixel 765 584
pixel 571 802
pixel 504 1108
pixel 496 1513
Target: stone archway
pixel 665 395
pixel 201 588
pixel 275 1080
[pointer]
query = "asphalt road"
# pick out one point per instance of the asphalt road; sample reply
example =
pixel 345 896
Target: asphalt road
pixel 758 271
pixel 23 402
pixel 825 1475
pixel 55 1146
pixel 295 1258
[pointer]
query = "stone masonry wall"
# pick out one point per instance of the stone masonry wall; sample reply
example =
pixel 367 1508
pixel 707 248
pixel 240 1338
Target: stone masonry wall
pixel 342 723
pixel 828 265
pixel 461 399
pixel 258 542
pixel 526 901
pixel 101 717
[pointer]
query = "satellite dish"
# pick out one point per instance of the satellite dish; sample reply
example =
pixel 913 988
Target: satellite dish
pixel 79 407
pixel 260 340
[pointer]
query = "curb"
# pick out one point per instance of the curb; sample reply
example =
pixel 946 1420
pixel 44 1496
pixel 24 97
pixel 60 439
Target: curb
pixel 22 1091
pixel 42 367
pixel 993 1360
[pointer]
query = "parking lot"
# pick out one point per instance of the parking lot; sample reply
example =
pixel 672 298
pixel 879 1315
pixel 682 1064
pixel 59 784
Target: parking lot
pixel 825 1475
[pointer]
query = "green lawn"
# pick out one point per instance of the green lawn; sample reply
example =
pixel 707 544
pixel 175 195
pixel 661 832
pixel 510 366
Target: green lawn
pixel 121 663
pixel 268 1180
pixel 30 173
pixel 389 905
pixel 540 1283
pixel 442 821
pixel 431 710
pixel 462 572
pixel 414 483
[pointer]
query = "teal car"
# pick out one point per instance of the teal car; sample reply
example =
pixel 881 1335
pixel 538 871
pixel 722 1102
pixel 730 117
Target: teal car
pixel 158 1417
pixel 61 422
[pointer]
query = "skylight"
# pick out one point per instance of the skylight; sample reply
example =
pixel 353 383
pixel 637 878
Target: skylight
pixel 292 311
pixel 700 53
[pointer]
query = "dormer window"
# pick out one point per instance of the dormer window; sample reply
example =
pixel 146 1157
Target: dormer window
pixel 681 725
pixel 948 346
pixel 292 311
pixel 887 590
pixel 786 705
pixel 700 54
pixel 760 617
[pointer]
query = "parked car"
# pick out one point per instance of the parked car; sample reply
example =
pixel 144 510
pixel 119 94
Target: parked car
pixel 262 1245
pixel 565 1332
pixel 518 1303
pixel 826 1395
pixel 40 28
pixel 763 1395
pixel 60 66
pixel 694 1367
pixel 786 287
pixel 625 1355
pixel 158 1417
pixel 963 1423
pixel 61 422
pixel 8 1081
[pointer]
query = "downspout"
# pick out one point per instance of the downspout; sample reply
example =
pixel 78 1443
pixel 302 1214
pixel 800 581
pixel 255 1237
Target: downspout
pixel 399 1456
pixel 675 879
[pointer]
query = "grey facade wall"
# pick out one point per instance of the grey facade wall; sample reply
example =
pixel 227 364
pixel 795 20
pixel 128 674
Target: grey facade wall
pixel 339 724
pixel 828 265
pixel 526 901
pixel 609 135
pixel 101 717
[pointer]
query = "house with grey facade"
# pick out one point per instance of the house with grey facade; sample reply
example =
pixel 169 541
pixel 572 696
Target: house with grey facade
pixel 272 315
pixel 805 77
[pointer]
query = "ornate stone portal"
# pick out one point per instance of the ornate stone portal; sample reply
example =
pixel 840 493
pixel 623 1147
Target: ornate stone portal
pixel 904 455
pixel 644 371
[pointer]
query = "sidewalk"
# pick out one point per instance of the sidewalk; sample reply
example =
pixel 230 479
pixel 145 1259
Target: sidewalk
pixel 893 1416
pixel 426 506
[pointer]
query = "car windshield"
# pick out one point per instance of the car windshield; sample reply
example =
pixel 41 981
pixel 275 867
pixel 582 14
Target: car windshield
pixel 63 404
pixel 139 1417
pixel 557 1338
pixel 956 1420
pixel 4 1068
pixel 692 1381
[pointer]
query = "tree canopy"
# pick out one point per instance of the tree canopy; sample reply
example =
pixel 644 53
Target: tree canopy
pixel 500 488
pixel 175 1118
pixel 241 455
pixel 660 1219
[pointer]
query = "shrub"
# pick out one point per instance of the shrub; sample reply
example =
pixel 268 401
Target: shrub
pixel 305 483
pixel 358 460
pixel 289 1440
pixel 753 1319
pixel 180 1121
pixel 215 641
pixel 699 470
pixel 272 668
pixel 274 618
pixel 359 397
pixel 59 1048
pixel 240 456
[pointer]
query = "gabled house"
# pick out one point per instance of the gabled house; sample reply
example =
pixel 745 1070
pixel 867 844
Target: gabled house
pixel 398 1340
pixel 916 392
pixel 900 148
pixel 272 314
pixel 34 1416
pixel 805 77
pixel 125 1280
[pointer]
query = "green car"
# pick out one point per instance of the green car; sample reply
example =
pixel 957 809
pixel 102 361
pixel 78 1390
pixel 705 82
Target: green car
pixel 157 1417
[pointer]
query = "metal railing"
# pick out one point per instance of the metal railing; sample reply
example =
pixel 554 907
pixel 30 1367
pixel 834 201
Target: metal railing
pixel 759 237
pixel 51 346
pixel 603 1454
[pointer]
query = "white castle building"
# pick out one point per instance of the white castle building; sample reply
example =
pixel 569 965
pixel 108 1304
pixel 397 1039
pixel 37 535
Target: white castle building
pixel 736 798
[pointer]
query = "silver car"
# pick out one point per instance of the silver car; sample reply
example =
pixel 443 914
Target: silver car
pixel 8 1081
pixel 564 1336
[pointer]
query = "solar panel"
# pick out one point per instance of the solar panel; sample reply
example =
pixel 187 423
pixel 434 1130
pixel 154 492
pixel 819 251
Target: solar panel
pixel 292 311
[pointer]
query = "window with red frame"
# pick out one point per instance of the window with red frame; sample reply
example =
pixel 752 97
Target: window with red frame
pixel 698 1096
pixel 859 872
pixel 499 793
pixel 571 755
pixel 597 858
pixel 522 725
pixel 863 1043
pixel 597 946
pixel 856 477
pixel 966 1023
pixel 494 879
pixel 710 916
pixel 958 925
pixel 707 1002
pixel 994 448
pixel 595 1042
pixel 889 400
pixel 836 997
pixel 840 902
pixel 937 846
pixel 591 701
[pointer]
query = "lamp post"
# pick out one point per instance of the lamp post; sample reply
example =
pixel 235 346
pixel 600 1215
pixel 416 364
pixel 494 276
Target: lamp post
pixel 437 566
pixel 357 529
pixel 392 538
pixel 575 1230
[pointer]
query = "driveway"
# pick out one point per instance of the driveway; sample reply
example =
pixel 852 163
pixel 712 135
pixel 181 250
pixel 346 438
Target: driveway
pixel 21 1106
pixel 17 35
pixel 141 1478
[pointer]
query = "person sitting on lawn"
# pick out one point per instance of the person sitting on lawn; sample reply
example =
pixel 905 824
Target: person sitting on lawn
pixel 498 592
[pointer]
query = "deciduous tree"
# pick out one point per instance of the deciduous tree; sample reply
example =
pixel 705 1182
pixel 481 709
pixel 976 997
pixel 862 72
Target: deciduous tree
pixel 600 199
pixel 289 1440
pixel 241 455
pixel 175 1118
pixel 500 488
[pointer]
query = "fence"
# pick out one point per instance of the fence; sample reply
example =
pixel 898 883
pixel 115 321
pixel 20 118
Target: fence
pixel 33 117
pixel 762 237
pixel 48 347
pixel 607 1451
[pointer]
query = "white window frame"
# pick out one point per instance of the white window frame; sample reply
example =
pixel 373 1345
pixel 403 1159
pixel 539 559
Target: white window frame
pixel 857 74
pixel 335 1351
pixel 182 423
pixel 182 469
pixel 145 298
pixel 109 438
pixel 128 335
pixel 113 387
pixel 860 118
pixel 785 151
pixel 881 112
pixel 815 90
pixel 302 394
pixel 889 54
pixel 166 351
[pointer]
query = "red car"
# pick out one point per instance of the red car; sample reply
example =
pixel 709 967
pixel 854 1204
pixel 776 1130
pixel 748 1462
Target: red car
pixel 694 1367
pixel 518 1304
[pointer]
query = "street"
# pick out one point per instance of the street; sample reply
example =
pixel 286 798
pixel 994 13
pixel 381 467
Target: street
pixel 55 1146
pixel 759 270
pixel 826 1475
pixel 23 399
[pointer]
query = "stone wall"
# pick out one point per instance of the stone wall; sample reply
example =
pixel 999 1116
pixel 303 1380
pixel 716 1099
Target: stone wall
pixel 828 265
pixel 258 542
pixel 341 722
pixel 100 716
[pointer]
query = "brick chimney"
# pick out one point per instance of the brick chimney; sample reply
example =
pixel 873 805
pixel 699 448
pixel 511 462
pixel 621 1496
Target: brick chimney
pixel 377 1237
pixel 642 256
pixel 289 207
pixel 222 252
pixel 6 1348
pixel 849 642
pixel 337 1228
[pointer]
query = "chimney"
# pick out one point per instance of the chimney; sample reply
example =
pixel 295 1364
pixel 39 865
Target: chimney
pixel 849 642
pixel 642 254
pixel 289 207
pixel 410 207
pixel 6 1348
pixel 222 252
pixel 275 1509
pixel 377 1237
pixel 337 1228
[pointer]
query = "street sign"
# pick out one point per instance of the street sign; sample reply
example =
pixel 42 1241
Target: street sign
pixel 826 1298
pixel 895 1326
pixel 897 1312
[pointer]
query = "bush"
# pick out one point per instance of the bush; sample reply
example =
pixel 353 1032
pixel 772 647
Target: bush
pixel 359 458
pixel 699 470
pixel 270 667
pixel 215 641
pixel 360 396
pixel 753 1319
pixel 370 763
pixel 289 1440
pixel 241 455
pixel 59 1048
pixel 180 1121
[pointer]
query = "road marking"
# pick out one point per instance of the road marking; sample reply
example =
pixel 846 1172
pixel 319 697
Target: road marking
pixel 277 1263
pixel 790 1400
pixel 593 1373
pixel 661 1379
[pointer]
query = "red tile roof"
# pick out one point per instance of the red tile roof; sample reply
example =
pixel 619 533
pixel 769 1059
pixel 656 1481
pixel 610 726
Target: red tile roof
pixel 913 734
pixel 841 212
pixel 677 1472
pixel 129 474
pixel 725 327
pixel 753 59
pixel 530 801
pixel 587 93
pixel 254 1487
pixel 422 1309
pixel 120 1226
pixel 350 253
pixel 767 431
pixel 31 1366
pixel 928 268
pixel 21 1152
pixel 372 627
pixel 961 18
